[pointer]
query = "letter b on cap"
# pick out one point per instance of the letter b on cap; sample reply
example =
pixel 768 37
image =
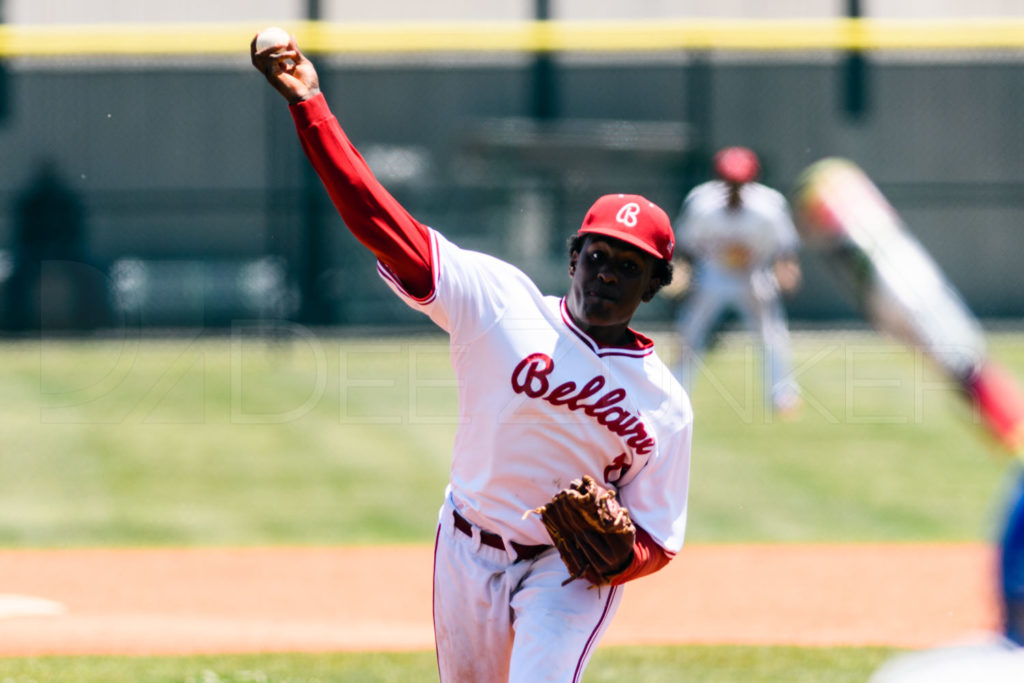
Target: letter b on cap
pixel 627 215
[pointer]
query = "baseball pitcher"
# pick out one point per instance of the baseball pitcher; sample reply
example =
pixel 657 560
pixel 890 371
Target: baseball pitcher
pixel 570 467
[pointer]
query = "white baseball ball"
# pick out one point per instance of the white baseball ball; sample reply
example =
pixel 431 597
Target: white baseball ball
pixel 272 37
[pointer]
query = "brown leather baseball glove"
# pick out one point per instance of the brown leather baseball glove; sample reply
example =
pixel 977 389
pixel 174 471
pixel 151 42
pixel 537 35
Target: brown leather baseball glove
pixel 592 532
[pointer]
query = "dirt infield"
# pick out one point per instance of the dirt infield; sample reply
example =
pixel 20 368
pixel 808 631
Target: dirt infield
pixel 322 599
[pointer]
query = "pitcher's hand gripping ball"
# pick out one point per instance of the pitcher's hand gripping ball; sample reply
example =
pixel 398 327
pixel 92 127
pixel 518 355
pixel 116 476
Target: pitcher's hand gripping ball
pixel 592 532
pixel 272 36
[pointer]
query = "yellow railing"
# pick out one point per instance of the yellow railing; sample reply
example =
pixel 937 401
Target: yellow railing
pixel 528 36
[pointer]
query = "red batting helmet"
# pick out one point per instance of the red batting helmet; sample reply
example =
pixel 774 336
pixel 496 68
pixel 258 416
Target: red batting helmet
pixel 737 165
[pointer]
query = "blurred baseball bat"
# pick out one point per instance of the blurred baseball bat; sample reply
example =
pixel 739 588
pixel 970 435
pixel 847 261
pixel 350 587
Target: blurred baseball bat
pixel 842 216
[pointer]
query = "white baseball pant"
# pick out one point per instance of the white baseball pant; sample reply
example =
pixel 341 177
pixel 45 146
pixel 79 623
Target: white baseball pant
pixel 497 618
pixel 756 300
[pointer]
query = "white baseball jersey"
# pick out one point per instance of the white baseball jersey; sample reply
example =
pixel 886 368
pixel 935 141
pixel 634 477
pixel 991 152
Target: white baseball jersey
pixel 540 404
pixel 749 237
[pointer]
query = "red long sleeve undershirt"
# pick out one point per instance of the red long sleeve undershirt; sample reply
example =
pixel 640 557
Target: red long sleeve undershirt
pixel 648 557
pixel 376 219
pixel 398 240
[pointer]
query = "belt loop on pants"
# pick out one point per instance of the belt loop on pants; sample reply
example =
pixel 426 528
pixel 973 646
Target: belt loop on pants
pixel 523 552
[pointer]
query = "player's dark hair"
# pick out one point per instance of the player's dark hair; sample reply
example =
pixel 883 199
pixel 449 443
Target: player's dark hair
pixel 662 267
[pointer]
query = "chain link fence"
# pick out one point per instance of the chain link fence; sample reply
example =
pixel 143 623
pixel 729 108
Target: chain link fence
pixel 185 174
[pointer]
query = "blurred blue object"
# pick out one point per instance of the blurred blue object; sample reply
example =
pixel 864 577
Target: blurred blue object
pixel 1011 564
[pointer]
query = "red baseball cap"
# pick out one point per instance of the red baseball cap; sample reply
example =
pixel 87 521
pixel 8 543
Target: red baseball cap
pixel 737 165
pixel 632 219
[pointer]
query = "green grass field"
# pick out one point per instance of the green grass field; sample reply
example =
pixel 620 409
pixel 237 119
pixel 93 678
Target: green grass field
pixel 610 665
pixel 303 440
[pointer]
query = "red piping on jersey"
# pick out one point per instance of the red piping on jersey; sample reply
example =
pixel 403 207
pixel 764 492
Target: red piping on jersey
pixel 433 601
pixel 386 273
pixel 645 346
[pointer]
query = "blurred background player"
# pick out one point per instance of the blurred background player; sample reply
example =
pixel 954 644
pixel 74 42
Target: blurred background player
pixel 741 245
pixel 994 657
pixel 886 273
pixel 550 389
